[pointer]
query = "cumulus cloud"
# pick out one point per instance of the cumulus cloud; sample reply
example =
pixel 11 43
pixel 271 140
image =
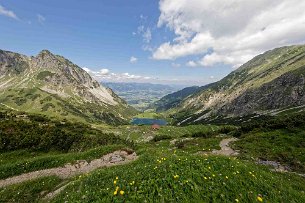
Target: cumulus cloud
pixel 7 13
pixel 104 71
pixel 191 64
pixel 106 75
pixel 229 32
pixel 133 59
pixel 41 19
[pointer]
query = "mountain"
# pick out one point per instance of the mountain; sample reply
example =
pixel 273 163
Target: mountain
pixel 172 100
pixel 268 84
pixel 54 86
pixel 141 95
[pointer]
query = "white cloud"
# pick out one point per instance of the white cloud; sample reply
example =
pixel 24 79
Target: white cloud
pixel 145 33
pixel 234 30
pixel 191 64
pixel 8 13
pixel 106 75
pixel 133 59
pixel 104 71
pixel 41 19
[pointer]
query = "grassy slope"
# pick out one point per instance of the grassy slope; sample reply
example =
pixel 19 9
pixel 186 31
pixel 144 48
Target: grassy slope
pixel 29 191
pixel 168 172
pixel 18 162
pixel 163 176
pixel 40 102
pixel 258 71
pixel 284 146
pixel 142 133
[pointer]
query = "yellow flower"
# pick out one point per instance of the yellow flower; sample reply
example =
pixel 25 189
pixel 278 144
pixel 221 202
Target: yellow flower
pixel 259 198
pixel 236 200
pixel 122 192
pixel 117 178
pixel 114 182
pixel 227 177
pixel 205 177
pixel 176 176
pixel 115 192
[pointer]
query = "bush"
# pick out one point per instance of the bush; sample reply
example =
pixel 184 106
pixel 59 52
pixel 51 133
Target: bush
pixel 161 137
pixel 46 136
pixel 204 134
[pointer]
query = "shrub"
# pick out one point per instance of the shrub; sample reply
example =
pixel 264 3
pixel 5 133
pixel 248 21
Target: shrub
pixel 161 137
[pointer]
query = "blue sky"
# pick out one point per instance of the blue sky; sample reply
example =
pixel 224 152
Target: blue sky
pixel 185 42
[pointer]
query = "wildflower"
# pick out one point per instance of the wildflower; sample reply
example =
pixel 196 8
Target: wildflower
pixel 236 200
pixel 114 182
pixel 176 176
pixel 117 178
pixel 213 175
pixel 122 192
pixel 205 178
pixel 115 192
pixel 259 198
pixel 227 177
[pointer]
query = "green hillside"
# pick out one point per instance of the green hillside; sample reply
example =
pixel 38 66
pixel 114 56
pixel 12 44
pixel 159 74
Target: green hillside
pixel 52 85
pixel 272 81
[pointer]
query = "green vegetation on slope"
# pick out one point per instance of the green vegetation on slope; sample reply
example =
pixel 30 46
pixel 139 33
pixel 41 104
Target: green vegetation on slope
pixel 163 176
pixel 270 81
pixel 174 166
pixel 280 139
pixel 29 191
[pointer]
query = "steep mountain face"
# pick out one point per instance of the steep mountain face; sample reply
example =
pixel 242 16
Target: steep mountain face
pixel 172 100
pixel 53 85
pixel 270 82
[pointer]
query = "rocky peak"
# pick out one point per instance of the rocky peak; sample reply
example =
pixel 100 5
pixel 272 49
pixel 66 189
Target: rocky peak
pixel 45 52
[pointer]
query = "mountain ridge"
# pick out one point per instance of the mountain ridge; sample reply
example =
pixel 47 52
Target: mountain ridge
pixel 243 91
pixel 55 77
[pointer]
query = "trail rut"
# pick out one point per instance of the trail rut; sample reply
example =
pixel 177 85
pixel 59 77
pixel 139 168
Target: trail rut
pixel 69 170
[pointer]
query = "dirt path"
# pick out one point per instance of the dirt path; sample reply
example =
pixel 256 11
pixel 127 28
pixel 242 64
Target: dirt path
pixel 226 150
pixel 69 170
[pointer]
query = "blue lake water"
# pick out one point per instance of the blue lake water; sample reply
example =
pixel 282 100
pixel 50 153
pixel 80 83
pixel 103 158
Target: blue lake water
pixel 148 121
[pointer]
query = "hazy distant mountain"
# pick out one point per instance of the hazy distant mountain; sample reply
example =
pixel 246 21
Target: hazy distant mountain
pixel 54 86
pixel 174 99
pixel 269 83
pixel 141 95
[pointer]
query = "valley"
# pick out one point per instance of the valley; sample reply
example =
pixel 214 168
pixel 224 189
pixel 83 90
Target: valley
pixel 74 140
pixel 141 95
